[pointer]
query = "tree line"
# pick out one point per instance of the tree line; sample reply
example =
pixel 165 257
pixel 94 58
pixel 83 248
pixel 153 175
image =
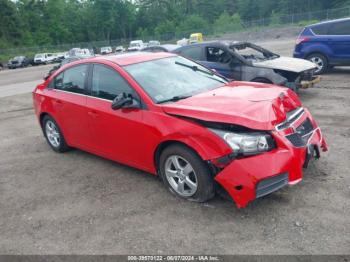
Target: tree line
pixel 51 22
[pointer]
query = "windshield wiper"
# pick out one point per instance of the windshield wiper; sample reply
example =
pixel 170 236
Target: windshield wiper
pixel 173 99
pixel 196 68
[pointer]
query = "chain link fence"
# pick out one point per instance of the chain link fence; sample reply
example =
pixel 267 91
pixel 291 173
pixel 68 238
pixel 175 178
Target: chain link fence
pixel 299 19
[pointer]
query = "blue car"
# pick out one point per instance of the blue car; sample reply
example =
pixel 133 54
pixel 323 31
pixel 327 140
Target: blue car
pixel 327 44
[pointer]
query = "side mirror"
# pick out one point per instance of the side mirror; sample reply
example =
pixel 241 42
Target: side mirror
pixel 124 100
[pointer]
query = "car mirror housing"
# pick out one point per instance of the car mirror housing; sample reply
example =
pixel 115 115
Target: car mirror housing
pixel 124 100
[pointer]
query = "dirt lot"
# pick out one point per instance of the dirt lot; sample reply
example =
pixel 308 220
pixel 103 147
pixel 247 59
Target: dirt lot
pixel 78 203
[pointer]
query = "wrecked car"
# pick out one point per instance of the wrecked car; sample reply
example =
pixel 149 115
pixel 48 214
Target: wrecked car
pixel 172 117
pixel 245 61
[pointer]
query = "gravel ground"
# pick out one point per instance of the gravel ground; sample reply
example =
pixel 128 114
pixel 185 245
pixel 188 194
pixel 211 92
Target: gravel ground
pixel 78 203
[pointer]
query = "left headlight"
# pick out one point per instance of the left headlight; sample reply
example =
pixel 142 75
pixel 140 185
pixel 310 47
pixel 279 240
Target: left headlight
pixel 247 143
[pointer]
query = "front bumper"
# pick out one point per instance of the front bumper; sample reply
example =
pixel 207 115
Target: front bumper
pixel 248 178
pixel 310 83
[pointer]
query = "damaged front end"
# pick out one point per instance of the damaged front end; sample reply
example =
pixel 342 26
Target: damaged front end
pixel 303 80
pixel 279 161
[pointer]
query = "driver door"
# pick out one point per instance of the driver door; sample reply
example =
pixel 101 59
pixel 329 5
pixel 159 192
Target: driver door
pixel 115 134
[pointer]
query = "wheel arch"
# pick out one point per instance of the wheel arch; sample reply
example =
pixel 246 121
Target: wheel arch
pixel 167 143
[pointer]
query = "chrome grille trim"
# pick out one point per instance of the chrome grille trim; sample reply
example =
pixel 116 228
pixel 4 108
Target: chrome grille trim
pixel 298 113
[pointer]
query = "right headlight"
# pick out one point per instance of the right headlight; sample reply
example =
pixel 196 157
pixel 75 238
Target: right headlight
pixel 247 143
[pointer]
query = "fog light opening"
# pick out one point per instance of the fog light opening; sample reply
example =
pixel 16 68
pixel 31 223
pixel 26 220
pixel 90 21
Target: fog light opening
pixel 239 187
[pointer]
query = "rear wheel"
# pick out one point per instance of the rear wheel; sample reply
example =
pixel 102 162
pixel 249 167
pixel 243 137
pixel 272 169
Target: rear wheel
pixel 320 61
pixel 185 174
pixel 54 135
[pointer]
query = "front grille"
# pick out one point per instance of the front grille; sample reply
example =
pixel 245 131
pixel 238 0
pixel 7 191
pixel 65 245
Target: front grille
pixel 272 184
pixel 292 116
pixel 307 76
pixel 302 134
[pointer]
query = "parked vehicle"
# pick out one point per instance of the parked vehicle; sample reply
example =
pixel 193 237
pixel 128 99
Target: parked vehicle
pixel 59 57
pixel 183 42
pixel 45 58
pixel 161 48
pixel 63 62
pixel 106 50
pixel 326 44
pixel 1 66
pixel 196 38
pixel 80 52
pixel 153 43
pixel 119 49
pixel 17 62
pixel 172 117
pixel 248 62
pixel 136 45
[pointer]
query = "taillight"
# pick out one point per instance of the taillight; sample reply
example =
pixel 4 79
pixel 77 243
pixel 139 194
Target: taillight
pixel 301 40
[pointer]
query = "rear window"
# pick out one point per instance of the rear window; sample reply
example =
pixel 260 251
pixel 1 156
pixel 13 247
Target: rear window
pixel 320 29
pixel 340 28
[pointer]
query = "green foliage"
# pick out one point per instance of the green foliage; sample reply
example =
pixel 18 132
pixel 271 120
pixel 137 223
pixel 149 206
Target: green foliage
pixel 57 22
pixel 275 18
pixel 227 23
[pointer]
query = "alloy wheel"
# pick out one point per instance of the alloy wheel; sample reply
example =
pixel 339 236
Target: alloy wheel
pixel 319 63
pixel 181 176
pixel 52 133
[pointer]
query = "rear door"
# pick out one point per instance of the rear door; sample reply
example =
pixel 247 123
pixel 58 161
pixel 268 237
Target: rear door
pixel 339 41
pixel 68 96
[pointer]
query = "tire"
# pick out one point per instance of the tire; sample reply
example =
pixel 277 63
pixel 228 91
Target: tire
pixel 321 62
pixel 185 174
pixel 53 135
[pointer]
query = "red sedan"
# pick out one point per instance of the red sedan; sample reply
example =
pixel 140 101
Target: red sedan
pixel 172 117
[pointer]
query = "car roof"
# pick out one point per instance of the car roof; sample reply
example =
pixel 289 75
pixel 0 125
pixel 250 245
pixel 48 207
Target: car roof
pixel 131 58
pixel 330 22
pixel 225 43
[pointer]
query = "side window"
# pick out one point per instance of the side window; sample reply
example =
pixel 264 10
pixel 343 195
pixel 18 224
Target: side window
pixel 72 79
pixel 320 29
pixel 340 28
pixel 107 83
pixel 217 55
pixel 194 53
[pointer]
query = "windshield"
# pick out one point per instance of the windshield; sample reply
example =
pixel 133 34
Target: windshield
pixel 173 78
pixel 39 56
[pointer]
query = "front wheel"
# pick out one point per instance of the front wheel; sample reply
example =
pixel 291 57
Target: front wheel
pixel 185 174
pixel 320 61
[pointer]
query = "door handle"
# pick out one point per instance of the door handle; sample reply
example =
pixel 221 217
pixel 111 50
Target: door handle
pixel 93 114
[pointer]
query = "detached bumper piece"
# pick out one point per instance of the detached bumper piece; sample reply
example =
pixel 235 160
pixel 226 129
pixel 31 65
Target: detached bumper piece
pixel 310 83
pixel 269 185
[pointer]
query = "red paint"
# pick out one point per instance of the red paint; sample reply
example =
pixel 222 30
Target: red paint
pixel 132 136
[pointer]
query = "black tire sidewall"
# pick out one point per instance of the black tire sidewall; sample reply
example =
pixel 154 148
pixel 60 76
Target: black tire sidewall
pixel 63 147
pixel 205 182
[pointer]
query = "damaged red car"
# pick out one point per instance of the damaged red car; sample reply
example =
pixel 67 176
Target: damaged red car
pixel 172 117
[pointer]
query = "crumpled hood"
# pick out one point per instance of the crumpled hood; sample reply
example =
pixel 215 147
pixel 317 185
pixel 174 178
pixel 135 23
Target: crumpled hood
pixel 253 105
pixel 287 63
